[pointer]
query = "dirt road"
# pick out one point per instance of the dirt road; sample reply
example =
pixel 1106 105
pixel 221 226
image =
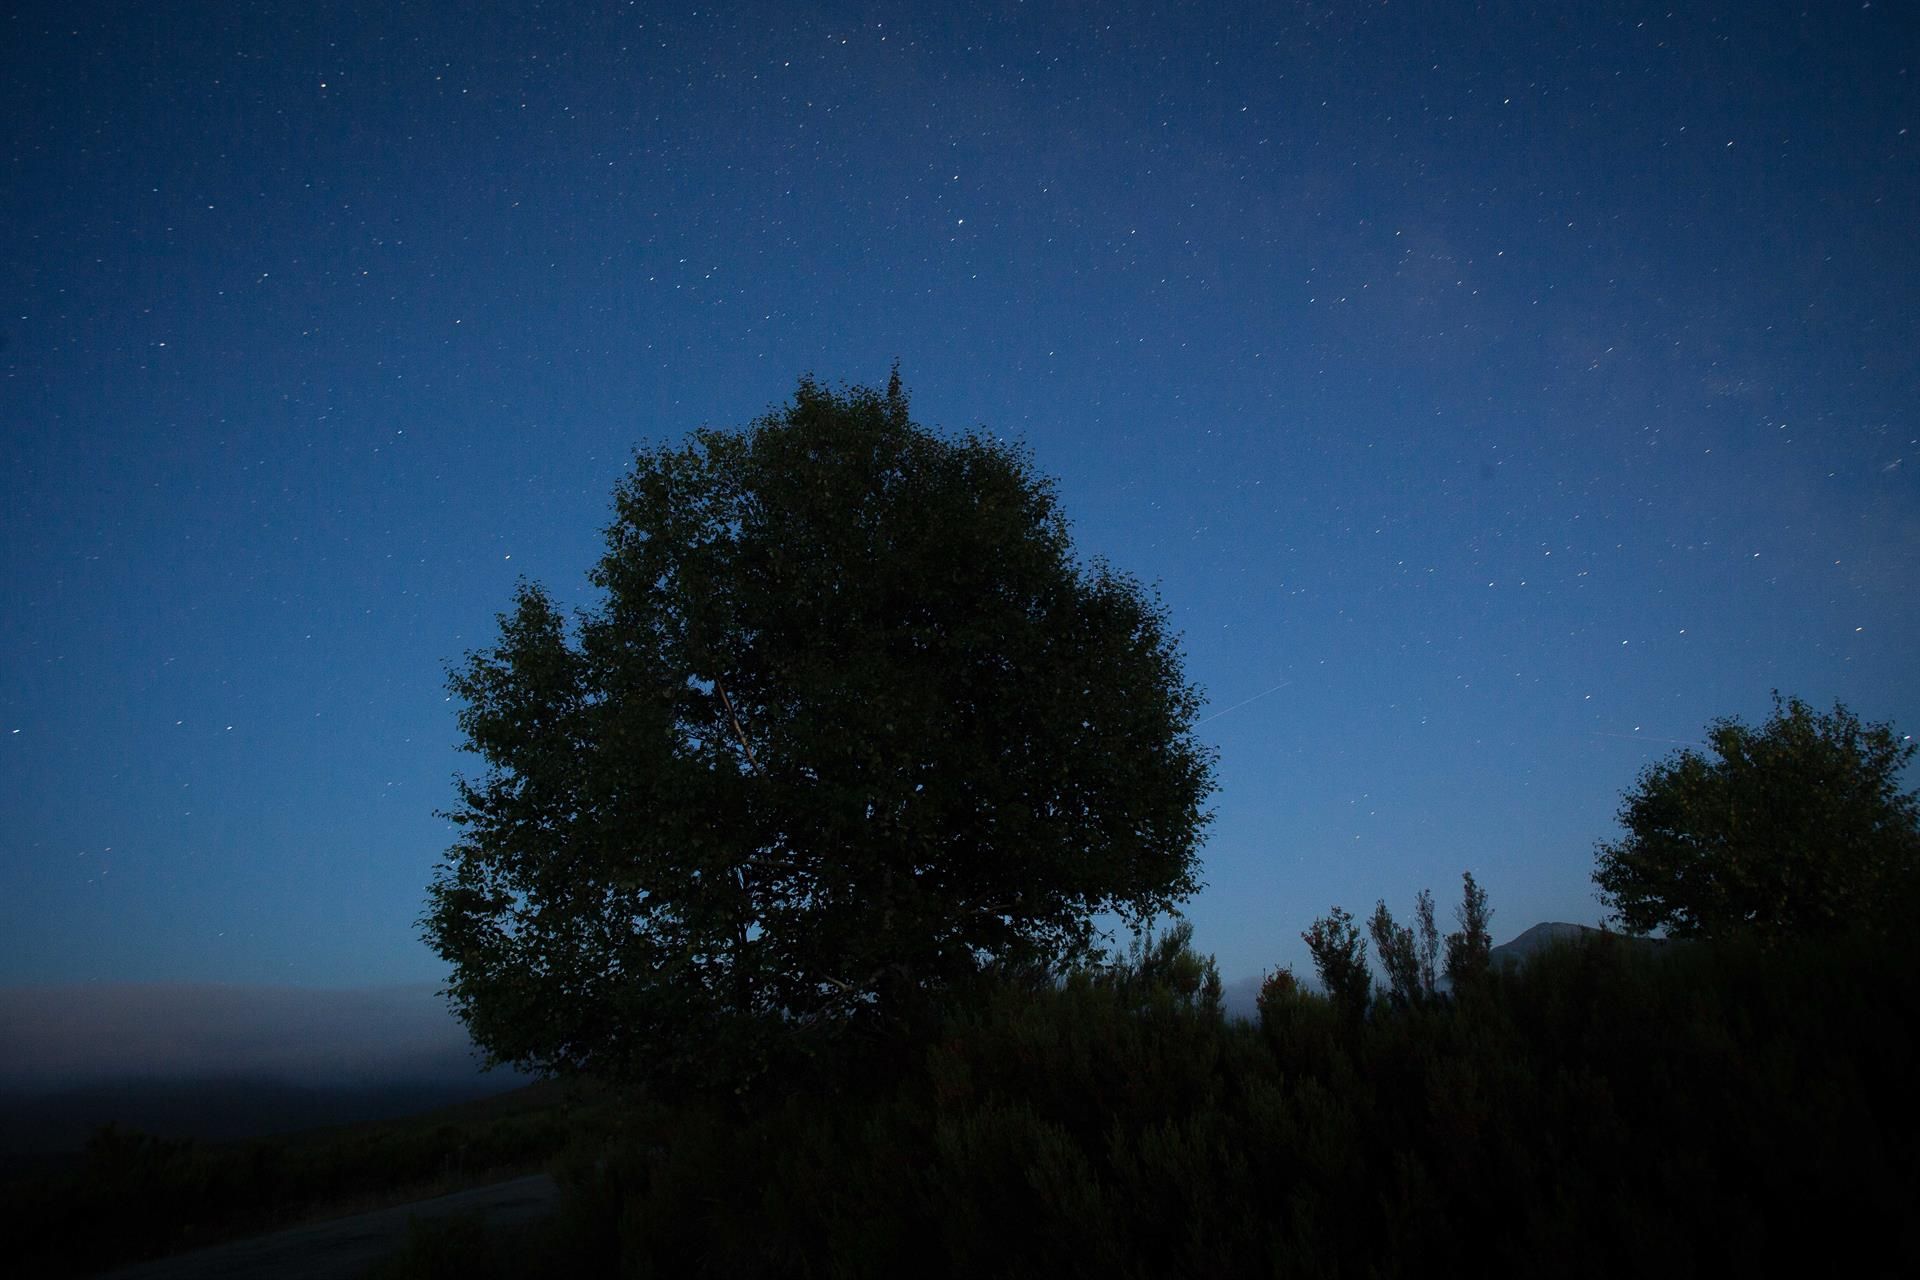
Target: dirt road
pixel 346 1247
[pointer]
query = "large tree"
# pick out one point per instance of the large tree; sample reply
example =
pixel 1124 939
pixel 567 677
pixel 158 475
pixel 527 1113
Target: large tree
pixel 1796 828
pixel 849 722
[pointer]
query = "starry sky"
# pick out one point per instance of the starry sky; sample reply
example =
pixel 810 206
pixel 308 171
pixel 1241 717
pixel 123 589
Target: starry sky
pixel 1495 393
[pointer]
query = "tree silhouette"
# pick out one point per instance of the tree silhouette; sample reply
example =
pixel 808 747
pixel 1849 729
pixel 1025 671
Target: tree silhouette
pixel 1798 827
pixel 1469 947
pixel 1340 958
pixel 850 723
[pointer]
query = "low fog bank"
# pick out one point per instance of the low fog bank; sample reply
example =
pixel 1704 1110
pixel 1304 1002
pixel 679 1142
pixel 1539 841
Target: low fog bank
pixel 217 1062
pixel 61 1037
pixel 67 1037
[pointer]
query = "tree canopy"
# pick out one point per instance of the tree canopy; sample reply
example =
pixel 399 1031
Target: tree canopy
pixel 849 722
pixel 1798 827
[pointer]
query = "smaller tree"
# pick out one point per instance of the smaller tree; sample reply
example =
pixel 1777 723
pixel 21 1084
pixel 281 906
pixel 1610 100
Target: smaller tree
pixel 1469 946
pixel 1798 827
pixel 1340 958
pixel 1429 939
pixel 1281 1002
pixel 1399 956
pixel 1276 988
pixel 1164 968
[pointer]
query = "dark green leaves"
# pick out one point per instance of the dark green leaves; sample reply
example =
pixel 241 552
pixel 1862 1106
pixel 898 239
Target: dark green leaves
pixel 850 722
pixel 1798 827
pixel 1340 958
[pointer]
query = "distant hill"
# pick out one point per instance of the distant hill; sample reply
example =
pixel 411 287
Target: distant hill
pixel 1534 940
pixel 1554 933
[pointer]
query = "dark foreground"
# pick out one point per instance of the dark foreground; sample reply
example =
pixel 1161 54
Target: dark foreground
pixel 347 1247
pixel 1603 1111
pixel 133 1197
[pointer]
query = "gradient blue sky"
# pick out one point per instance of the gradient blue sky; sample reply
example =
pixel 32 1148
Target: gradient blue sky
pixel 1516 388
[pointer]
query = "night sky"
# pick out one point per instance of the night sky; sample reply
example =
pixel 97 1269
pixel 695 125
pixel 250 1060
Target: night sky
pixel 1495 396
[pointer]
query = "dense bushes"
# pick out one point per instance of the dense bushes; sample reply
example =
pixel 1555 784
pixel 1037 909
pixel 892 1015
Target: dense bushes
pixel 1596 1112
pixel 1603 1109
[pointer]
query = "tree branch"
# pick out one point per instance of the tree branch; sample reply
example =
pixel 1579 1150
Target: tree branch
pixel 738 732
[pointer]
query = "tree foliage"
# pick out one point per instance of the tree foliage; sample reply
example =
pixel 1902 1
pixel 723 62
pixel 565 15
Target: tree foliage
pixel 1407 952
pixel 1469 947
pixel 1798 827
pixel 1340 958
pixel 1163 968
pixel 1399 956
pixel 1429 941
pixel 849 722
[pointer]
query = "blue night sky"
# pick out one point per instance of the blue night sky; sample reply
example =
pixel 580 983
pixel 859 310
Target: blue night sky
pixel 1496 396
